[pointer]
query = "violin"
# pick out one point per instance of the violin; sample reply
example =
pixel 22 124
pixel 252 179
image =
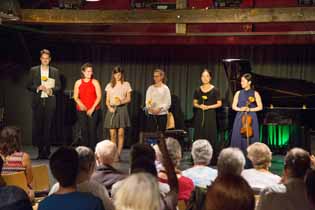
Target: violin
pixel 246 129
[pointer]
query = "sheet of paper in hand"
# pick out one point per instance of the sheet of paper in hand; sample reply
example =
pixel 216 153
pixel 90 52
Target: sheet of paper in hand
pixel 50 83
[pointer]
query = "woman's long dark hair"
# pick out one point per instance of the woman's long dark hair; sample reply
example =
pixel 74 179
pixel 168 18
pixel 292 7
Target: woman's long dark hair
pixel 117 69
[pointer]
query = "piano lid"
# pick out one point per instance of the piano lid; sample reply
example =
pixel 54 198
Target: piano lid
pixel 279 92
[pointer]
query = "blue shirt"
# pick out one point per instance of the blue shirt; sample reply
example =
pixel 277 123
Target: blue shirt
pixel 14 198
pixel 71 201
pixel 202 176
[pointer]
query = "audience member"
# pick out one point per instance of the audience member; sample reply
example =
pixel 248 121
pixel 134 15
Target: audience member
pixel 15 159
pixel 185 184
pixel 310 186
pixel 260 177
pixel 139 191
pixel 200 173
pixel 231 161
pixel 289 195
pixel 64 165
pixel 230 192
pixel 11 197
pixel 84 183
pixel 105 173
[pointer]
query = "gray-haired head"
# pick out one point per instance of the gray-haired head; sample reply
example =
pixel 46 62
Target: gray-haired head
pixel 201 152
pixel 105 152
pixel 260 155
pixel 231 161
pixel 86 158
pixel 174 150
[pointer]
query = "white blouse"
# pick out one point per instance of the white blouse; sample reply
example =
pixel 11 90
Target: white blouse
pixel 158 97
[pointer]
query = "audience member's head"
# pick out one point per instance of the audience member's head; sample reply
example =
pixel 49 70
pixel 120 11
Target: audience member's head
pixel 105 152
pixel 174 150
pixel 260 155
pixel 201 152
pixel 139 191
pixel 310 186
pixel 231 161
pixel 86 160
pixel 64 166
pixel 230 192
pixel 142 164
pixel 142 150
pixel 296 163
pixel 10 140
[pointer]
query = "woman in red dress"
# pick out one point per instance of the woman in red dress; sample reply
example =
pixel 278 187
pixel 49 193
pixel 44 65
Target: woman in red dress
pixel 87 95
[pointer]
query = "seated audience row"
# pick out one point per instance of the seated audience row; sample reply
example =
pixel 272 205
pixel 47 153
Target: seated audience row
pixel 88 180
pixel 83 179
pixel 64 165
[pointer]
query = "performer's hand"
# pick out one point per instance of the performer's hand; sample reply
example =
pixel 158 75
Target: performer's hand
pixel 82 107
pixel 111 109
pixel 49 91
pixel 155 111
pixel 117 101
pixel 90 112
pixel 151 110
pixel 41 87
pixel 203 107
pixel 244 109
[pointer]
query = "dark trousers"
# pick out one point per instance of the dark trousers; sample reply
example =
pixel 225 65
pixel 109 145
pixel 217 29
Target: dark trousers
pixel 42 121
pixel 88 126
pixel 156 123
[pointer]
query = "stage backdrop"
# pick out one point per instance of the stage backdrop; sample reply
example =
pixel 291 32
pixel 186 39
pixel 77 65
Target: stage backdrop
pixel 182 65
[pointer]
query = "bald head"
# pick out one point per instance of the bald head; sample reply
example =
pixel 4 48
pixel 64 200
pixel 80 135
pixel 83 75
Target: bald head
pixel 105 152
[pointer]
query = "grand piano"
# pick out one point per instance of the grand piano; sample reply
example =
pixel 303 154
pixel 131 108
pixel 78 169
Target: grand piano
pixel 289 107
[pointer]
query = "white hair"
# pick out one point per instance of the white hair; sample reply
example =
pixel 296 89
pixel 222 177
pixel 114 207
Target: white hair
pixel 140 191
pixel 231 161
pixel 174 150
pixel 105 151
pixel 86 158
pixel 260 155
pixel 201 151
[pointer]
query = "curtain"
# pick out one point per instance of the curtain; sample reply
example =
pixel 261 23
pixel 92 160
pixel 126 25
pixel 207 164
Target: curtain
pixel 182 64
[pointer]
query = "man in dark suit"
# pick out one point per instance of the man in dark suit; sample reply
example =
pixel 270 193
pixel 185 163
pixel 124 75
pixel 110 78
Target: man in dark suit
pixel 40 83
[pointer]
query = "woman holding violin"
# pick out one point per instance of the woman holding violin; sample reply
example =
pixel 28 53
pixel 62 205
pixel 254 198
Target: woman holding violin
pixel 246 102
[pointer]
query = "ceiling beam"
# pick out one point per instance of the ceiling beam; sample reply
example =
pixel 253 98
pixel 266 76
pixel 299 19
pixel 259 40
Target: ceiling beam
pixel 180 16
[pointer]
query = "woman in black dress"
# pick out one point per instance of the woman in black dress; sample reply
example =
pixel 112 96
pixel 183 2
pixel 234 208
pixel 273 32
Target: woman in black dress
pixel 206 101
